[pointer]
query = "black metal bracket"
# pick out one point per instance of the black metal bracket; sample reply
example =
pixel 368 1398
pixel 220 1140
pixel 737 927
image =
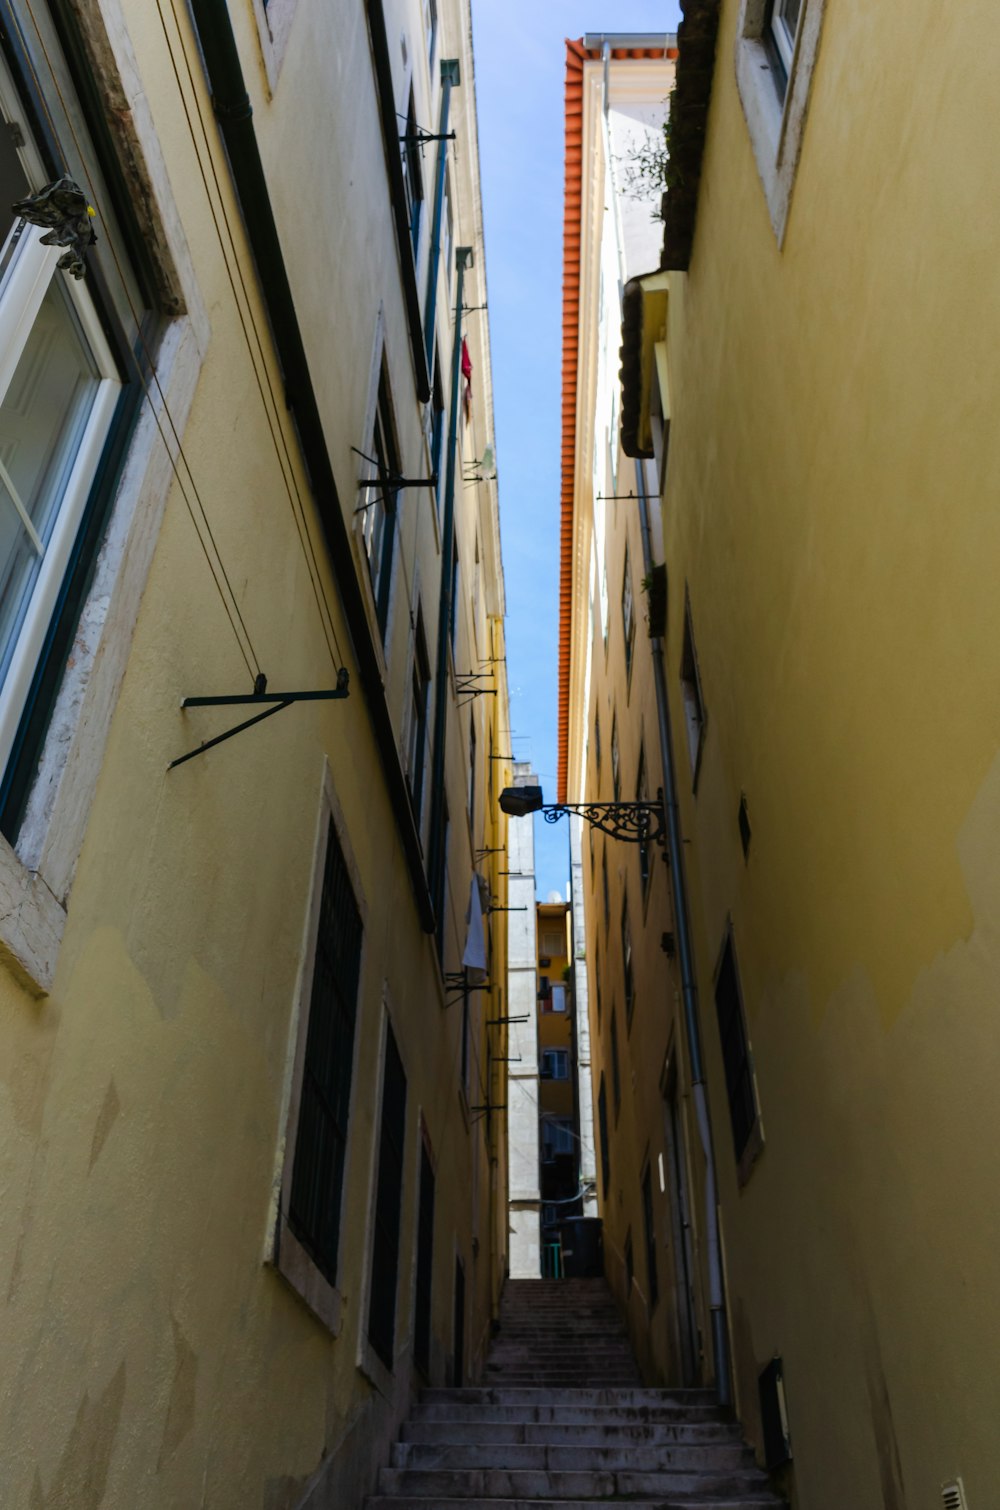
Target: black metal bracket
pixel 502 757
pixel 617 497
pixel 491 908
pixel 422 137
pixel 273 703
pixel 634 822
pixel 391 484
pixel 480 854
pixel 492 1021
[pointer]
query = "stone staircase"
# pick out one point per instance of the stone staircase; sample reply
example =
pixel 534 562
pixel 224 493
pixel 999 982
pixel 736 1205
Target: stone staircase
pixel 563 1423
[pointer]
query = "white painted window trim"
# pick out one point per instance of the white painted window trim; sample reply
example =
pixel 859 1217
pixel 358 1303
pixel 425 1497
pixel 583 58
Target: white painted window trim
pixel 274 27
pixel 776 126
pixel 283 1251
pixel 37 874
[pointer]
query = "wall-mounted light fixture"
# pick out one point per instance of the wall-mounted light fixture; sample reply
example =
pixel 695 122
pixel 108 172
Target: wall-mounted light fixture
pixel 633 822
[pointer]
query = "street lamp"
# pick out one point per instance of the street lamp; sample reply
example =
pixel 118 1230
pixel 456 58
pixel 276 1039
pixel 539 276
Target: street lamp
pixel 634 822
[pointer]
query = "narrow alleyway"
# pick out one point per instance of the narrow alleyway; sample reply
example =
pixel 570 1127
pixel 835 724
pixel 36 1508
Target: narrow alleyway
pixel 563 1421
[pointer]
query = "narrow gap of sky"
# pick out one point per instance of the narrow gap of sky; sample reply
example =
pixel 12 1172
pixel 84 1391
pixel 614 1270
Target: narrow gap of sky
pixel 520 59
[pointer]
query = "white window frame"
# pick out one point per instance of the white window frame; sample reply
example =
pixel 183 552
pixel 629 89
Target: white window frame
pixel 553 1059
pixel 36 874
pixel 776 119
pixel 32 273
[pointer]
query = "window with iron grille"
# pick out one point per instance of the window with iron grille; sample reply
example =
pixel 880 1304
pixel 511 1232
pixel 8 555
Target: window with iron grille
pixel 413 178
pixel 735 1049
pixel 649 1232
pixel 380 502
pixel 694 703
pixel 627 976
pixel 458 1357
pixel 420 678
pixel 616 1079
pixel 628 616
pixel 388 1201
pixel 425 1265
pixel 642 795
pixel 602 1124
pixel 616 769
pixel 324 1104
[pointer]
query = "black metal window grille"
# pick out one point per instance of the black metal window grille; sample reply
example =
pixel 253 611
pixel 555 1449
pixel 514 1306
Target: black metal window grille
pixel 381 501
pixel 413 178
pixel 420 682
pixel 735 1050
pixel 437 431
pixel 425 1266
pixel 694 702
pixel 616 767
pixel 602 1123
pixel 388 1200
pixel 458 1361
pixel 743 821
pixel 628 616
pixel 616 1081
pixel 642 795
pixel 649 1232
pixel 627 975
pixel 324 1104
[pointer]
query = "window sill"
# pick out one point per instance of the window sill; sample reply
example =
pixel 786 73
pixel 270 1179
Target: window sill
pixel 31 923
pixel 300 1273
pixel 752 1150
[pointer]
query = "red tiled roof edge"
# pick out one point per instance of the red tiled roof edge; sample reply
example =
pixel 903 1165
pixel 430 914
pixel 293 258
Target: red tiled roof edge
pixel 576 56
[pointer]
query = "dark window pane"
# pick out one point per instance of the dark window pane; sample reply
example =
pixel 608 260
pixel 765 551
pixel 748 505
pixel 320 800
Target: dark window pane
pixel 388 1198
pixel 321 1142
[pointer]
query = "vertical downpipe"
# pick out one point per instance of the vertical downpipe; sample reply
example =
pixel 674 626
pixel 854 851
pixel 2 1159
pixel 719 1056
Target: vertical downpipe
pixel 463 259
pixel 689 988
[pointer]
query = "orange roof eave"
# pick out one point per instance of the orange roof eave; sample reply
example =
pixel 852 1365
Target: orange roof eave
pixel 576 56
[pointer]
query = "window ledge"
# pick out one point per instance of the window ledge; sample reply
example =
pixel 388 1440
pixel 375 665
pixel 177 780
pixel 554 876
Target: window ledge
pixel 32 921
pixel 299 1271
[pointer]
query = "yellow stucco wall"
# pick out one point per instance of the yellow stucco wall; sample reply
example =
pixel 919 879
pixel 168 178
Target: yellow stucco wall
pixel 151 1357
pixel 828 503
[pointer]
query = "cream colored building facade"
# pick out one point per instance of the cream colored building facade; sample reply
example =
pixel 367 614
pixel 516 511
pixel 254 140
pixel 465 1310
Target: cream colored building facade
pixel 813 376
pixel 648 1159
pixel 254 1165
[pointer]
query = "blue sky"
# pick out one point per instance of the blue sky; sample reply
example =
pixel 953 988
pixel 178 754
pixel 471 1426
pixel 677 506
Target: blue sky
pixel 520 65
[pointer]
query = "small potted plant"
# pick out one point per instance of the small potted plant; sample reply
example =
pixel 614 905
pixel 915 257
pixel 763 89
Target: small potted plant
pixel 655 588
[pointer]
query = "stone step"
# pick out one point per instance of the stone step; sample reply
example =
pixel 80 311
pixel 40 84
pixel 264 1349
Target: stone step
pixel 592 1432
pixel 716 1457
pixel 520 1484
pixel 568 1415
pixel 615 1398
pixel 682 1502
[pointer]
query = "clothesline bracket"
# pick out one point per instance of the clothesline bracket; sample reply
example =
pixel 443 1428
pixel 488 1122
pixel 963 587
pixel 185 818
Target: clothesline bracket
pixel 493 1021
pixel 270 702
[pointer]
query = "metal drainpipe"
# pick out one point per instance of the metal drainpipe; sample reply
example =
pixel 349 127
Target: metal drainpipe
pixel 463 259
pixel 450 76
pixel 689 988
